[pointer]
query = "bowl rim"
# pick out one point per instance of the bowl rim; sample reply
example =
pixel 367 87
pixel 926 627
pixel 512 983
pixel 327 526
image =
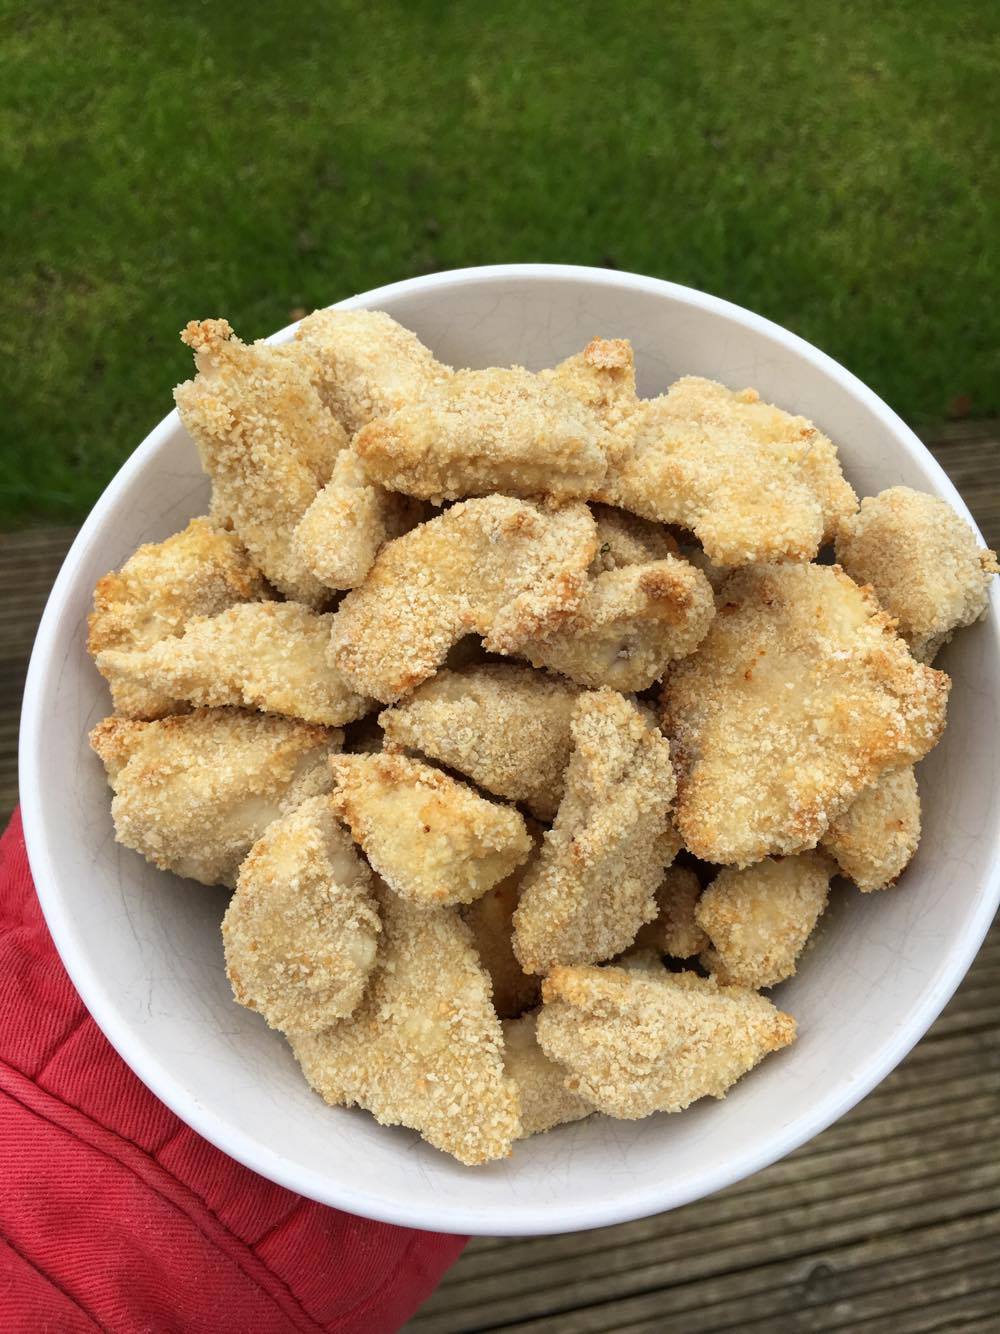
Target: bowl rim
pixel 503 1221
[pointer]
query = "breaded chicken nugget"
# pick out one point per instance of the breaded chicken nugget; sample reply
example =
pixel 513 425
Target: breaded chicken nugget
pixel 760 918
pixel 301 931
pixel 924 563
pixel 194 792
pixel 873 840
pixel 263 655
pixel 478 432
pixel 267 441
pixel 431 839
pixel 752 482
pixel 636 959
pixel 424 1049
pixel 625 539
pixel 602 379
pixel 490 921
pixel 505 727
pixel 161 586
pixel 636 1044
pixel 365 364
pixel 799 697
pixel 344 528
pixel 630 624
pixel 642 609
pixel 496 567
pixel 674 930
pixel 540 1083
pixel 592 887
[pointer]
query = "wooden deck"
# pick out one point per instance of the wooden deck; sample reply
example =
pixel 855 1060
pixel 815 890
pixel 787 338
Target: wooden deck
pixel 888 1223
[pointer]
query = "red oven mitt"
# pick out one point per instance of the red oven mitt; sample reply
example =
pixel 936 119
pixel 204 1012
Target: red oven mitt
pixel 114 1216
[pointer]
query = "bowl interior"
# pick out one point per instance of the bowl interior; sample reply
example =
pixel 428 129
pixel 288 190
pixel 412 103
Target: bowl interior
pixel 144 948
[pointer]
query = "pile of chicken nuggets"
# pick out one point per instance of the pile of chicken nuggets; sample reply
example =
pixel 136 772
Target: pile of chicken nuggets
pixel 529 720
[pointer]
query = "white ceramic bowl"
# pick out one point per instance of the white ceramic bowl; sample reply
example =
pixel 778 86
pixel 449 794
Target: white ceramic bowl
pixel 143 947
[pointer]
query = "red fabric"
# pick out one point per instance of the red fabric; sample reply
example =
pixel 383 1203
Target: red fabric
pixel 115 1216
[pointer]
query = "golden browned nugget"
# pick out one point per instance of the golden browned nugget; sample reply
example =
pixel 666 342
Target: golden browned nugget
pixel 432 839
pixel 503 725
pixel 924 563
pixel 348 523
pixel 163 585
pixel 635 1043
pixel 496 567
pixel 758 919
pixel 752 482
pixel 674 930
pixel 629 625
pixel 874 839
pixel 602 379
pixel 194 791
pixel 263 655
pixel 267 441
pixel 489 919
pixel 301 931
pixel 540 1083
pixel 593 884
pixel 638 959
pixel 799 697
pixel 365 365
pixel 424 1049
pixel 643 607
pixel 478 432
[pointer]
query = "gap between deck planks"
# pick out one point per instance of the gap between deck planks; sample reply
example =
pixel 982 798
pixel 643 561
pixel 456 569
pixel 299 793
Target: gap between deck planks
pixel 887 1223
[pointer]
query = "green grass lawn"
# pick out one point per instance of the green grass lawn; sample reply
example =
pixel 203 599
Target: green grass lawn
pixel 834 167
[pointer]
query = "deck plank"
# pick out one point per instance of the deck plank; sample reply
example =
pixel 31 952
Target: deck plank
pixel 29 563
pixel 888 1221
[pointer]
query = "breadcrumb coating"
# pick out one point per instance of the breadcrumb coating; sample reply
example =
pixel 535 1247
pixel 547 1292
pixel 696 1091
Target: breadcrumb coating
pixel 602 379
pixel 504 726
pixel 674 930
pixel 365 365
pixel 630 624
pixel 261 655
pixel 540 1083
pixel 593 884
pixel 163 585
pixel 625 539
pixel 490 921
pixel 636 959
pixel 874 839
pixel 348 523
pixel 431 839
pixel 751 481
pixel 478 432
pixel 497 567
pixel 924 563
pixel 799 697
pixel 424 1049
pixel 759 919
pixel 301 931
pixel 636 1044
pixel 194 792
pixel 266 440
